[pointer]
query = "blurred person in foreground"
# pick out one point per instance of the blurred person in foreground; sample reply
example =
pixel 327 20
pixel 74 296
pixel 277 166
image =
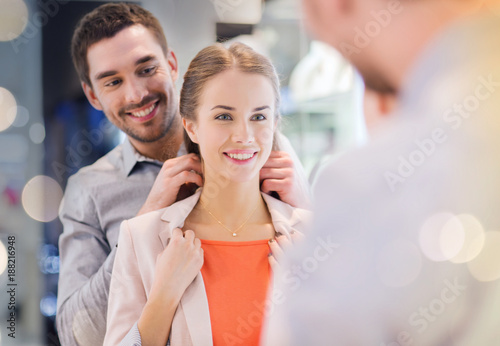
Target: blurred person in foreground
pixel 128 71
pixel 412 218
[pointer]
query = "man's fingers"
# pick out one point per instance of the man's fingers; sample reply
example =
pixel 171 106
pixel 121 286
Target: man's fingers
pixel 278 153
pixel 188 177
pixel 279 162
pixel 190 162
pixel 277 185
pixel 275 173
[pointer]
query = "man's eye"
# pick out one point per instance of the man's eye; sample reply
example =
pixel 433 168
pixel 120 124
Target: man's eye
pixel 259 117
pixel 149 70
pixel 223 117
pixel 112 83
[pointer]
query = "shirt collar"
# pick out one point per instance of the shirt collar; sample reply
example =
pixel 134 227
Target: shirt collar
pixel 131 156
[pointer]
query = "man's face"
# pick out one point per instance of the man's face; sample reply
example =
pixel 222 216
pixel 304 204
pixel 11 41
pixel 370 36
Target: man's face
pixel 133 83
pixel 335 22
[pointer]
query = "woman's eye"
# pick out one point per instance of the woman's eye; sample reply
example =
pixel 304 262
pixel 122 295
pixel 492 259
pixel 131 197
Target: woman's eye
pixel 258 117
pixel 223 117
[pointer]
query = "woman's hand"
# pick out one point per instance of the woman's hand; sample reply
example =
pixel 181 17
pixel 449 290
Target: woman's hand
pixel 279 245
pixel 176 267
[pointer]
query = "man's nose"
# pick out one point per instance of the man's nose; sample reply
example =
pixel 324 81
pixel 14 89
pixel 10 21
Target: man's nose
pixel 135 92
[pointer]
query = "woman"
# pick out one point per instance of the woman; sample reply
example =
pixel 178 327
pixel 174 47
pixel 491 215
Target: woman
pixel 206 284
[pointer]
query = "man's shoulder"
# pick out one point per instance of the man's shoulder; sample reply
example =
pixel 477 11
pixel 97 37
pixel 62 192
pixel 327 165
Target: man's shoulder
pixel 105 168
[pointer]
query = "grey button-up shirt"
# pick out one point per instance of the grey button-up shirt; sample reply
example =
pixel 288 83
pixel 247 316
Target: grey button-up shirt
pixel 97 199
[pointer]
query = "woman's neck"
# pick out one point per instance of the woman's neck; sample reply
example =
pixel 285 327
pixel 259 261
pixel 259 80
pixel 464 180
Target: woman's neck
pixel 231 203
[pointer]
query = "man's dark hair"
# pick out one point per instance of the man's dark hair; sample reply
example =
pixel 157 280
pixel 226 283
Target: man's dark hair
pixel 105 22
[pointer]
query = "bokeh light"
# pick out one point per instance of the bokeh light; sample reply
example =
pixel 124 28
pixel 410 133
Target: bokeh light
pixel 486 266
pixel 13 19
pixel 41 198
pixel 3 258
pixel 473 241
pixel 8 109
pixel 399 263
pixel 22 116
pixel 48 305
pixel 441 237
pixel 37 133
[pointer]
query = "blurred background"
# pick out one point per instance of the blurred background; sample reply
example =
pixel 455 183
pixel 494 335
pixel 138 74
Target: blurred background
pixel 48 130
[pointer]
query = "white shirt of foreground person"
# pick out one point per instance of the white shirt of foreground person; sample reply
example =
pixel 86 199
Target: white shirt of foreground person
pixel 413 219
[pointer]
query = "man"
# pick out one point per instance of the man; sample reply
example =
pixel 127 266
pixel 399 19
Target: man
pixel 405 244
pixel 128 71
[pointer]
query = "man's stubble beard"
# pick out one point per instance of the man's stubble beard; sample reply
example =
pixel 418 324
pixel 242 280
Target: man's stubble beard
pixel 375 81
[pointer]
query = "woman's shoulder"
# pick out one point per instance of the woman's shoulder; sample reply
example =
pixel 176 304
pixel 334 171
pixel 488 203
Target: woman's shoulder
pixel 146 223
pixel 154 222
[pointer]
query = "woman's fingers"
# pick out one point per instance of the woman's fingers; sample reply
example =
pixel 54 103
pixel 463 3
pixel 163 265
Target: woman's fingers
pixel 189 236
pixel 297 237
pixel 276 249
pixel 280 244
pixel 273 263
pixel 177 233
pixel 284 242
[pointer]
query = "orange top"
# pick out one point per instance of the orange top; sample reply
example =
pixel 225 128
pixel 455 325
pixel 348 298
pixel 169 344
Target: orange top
pixel 236 277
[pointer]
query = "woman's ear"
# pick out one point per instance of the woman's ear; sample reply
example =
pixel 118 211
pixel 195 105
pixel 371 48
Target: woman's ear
pixel 190 127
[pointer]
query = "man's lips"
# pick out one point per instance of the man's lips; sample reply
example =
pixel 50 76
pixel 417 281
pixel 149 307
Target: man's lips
pixel 144 113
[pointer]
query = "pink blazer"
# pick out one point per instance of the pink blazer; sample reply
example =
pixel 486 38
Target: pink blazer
pixel 141 240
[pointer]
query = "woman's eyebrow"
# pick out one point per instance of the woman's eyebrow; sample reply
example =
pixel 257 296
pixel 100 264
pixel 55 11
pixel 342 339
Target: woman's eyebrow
pixel 232 108
pixel 224 107
pixel 260 108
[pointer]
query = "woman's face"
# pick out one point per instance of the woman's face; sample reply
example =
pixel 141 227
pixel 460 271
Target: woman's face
pixel 235 125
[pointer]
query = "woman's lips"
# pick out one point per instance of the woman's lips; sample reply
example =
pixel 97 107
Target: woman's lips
pixel 240 157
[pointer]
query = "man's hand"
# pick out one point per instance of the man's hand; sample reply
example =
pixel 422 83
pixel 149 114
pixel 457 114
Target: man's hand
pixel 173 174
pixel 278 174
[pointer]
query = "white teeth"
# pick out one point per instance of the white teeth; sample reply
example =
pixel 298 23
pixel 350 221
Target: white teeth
pixel 240 156
pixel 145 112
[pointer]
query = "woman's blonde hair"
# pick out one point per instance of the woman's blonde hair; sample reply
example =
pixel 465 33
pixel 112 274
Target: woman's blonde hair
pixel 213 60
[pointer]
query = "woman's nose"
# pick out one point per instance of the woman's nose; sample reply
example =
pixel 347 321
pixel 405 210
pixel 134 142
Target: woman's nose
pixel 243 133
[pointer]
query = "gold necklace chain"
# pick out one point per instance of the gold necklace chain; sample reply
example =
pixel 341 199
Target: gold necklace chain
pixel 235 232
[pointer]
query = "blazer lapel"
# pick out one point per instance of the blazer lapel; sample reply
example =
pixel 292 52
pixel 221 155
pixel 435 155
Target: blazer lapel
pixel 175 215
pixel 194 303
pixel 286 218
